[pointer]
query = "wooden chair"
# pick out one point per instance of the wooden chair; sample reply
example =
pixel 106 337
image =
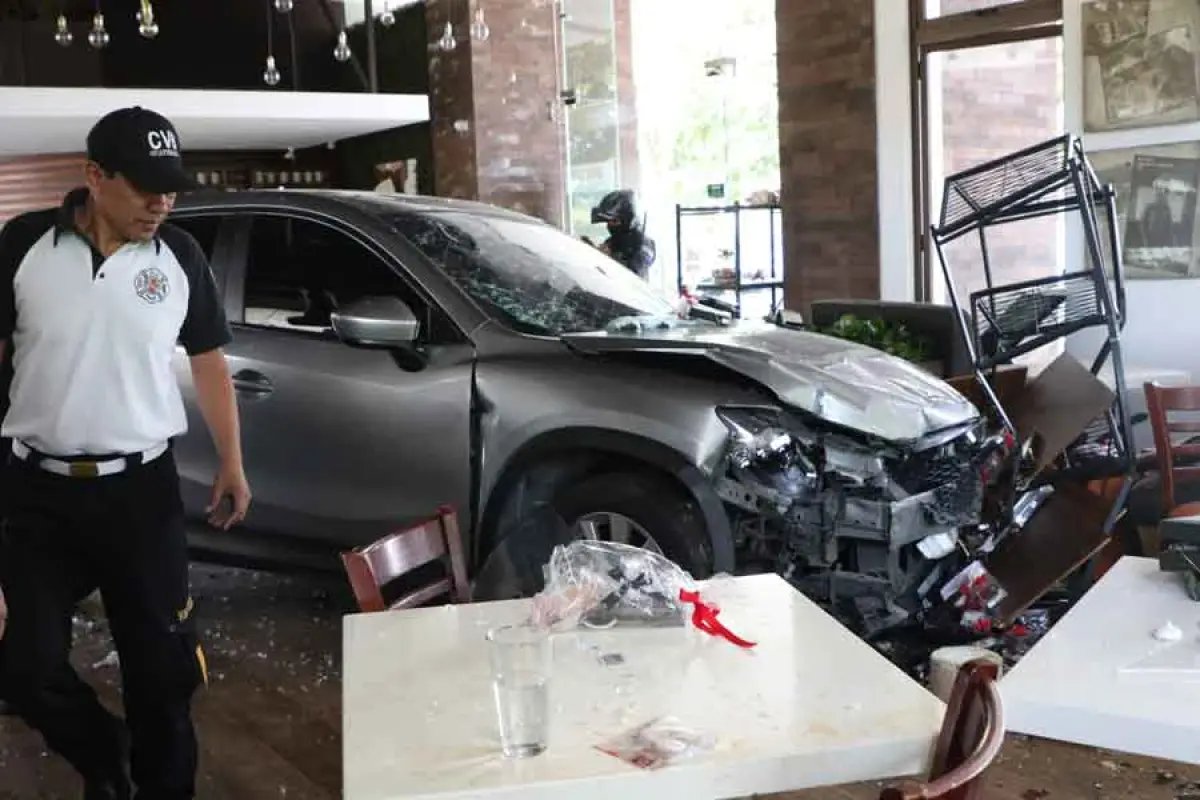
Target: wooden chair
pixel 372 567
pixel 971 737
pixel 1177 462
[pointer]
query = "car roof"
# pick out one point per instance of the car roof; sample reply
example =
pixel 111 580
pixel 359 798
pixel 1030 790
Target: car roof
pixel 370 202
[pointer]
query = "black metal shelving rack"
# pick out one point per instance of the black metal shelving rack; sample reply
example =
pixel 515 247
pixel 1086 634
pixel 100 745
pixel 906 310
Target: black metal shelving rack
pixel 1003 322
pixel 774 280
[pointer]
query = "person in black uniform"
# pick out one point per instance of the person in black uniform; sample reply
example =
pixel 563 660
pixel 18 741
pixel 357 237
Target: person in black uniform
pixel 94 298
pixel 627 241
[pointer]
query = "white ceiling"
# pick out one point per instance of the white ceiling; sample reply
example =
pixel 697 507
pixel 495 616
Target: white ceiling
pixel 35 120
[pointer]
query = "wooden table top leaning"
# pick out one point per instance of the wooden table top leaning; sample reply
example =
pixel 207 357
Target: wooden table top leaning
pixel 1100 678
pixel 811 705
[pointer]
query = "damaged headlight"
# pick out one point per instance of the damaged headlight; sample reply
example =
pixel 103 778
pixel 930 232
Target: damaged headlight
pixel 764 451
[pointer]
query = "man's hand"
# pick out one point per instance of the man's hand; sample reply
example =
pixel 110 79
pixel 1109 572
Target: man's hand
pixel 215 396
pixel 3 614
pixel 230 485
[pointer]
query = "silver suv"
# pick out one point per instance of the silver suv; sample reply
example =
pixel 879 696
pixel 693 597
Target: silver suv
pixel 392 354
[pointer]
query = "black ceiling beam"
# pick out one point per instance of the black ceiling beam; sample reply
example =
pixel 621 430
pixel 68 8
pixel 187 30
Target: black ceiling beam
pixel 372 59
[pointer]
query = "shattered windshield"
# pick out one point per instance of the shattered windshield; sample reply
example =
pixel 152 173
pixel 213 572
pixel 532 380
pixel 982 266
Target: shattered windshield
pixel 530 275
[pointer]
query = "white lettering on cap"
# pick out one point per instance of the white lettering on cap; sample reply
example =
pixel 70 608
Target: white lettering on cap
pixel 163 143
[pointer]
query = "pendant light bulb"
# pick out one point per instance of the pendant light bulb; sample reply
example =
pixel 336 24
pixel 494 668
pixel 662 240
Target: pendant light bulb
pixel 342 51
pixel 147 26
pixel 387 19
pixel 98 36
pixel 447 42
pixel 62 32
pixel 271 76
pixel 479 28
pixel 283 6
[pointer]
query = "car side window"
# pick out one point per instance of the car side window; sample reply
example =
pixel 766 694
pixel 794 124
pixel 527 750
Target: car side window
pixel 298 272
pixel 204 229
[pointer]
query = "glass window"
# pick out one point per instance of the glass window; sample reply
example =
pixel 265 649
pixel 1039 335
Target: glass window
pixel 704 108
pixel 204 229
pixel 298 272
pixel 529 275
pixel 593 157
pixel 984 103
pixel 944 8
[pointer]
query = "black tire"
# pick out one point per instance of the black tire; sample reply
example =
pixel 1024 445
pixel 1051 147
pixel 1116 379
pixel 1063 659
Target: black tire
pixel 656 503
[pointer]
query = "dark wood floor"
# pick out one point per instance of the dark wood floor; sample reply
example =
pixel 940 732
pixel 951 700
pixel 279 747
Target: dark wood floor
pixel 270 721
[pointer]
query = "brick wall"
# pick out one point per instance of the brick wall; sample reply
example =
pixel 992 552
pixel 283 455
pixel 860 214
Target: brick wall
pixel 451 104
pixel 36 182
pixel 627 93
pixel 496 136
pixel 826 56
pixel 519 153
pixel 497 123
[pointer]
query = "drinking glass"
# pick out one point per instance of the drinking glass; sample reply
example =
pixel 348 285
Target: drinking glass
pixel 520 656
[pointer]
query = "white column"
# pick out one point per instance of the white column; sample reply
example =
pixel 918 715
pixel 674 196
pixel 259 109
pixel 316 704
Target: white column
pixel 894 137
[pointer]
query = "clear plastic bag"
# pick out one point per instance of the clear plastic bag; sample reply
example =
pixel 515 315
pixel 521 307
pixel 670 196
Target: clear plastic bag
pixel 600 584
pixel 658 743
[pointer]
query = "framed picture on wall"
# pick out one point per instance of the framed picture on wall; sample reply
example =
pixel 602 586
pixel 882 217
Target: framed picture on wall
pixel 1140 63
pixel 1156 208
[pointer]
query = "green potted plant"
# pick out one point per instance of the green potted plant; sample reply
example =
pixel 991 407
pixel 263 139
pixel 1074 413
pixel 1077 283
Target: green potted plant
pixel 894 338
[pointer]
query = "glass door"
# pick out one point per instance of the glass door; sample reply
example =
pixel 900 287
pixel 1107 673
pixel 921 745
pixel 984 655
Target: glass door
pixel 592 123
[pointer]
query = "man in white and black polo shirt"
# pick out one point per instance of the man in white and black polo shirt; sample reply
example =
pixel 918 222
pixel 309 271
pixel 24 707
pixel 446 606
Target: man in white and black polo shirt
pixel 94 298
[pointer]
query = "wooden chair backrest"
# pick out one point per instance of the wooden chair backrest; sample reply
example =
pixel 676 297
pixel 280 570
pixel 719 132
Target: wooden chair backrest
pixel 1161 403
pixel 372 567
pixel 970 740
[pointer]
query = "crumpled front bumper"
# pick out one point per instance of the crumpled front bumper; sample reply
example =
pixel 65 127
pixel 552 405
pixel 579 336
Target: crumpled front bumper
pixel 847 501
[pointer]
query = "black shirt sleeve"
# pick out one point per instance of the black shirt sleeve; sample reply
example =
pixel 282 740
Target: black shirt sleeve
pixel 205 327
pixel 17 238
pixel 10 259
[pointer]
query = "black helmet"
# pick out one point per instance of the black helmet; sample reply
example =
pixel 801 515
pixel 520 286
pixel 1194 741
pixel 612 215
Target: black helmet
pixel 619 206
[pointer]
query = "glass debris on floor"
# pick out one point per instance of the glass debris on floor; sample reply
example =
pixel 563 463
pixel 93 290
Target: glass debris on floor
pixel 236 614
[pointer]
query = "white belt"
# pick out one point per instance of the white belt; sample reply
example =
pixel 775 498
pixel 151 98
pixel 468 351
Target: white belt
pixel 83 468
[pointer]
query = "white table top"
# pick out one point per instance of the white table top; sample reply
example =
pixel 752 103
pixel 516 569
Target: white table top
pixel 812 705
pixel 1099 676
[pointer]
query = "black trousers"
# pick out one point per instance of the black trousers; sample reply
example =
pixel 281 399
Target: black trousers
pixel 62 537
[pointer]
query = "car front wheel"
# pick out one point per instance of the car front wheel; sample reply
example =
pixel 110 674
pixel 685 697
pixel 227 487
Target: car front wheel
pixel 643 510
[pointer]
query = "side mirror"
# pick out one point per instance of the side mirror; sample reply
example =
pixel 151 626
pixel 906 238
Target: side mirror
pixel 376 322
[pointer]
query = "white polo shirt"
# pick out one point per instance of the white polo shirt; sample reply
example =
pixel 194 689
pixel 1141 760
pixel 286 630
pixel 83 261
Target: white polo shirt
pixel 93 338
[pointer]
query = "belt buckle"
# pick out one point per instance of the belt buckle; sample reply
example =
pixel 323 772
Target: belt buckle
pixel 83 469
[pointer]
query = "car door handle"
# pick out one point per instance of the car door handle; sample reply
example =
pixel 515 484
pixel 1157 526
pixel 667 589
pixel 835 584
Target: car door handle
pixel 252 381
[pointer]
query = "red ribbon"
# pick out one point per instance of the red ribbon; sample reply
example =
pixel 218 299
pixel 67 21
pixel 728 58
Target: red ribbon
pixel 704 617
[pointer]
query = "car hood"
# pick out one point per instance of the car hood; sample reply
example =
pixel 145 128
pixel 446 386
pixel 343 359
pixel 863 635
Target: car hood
pixel 842 382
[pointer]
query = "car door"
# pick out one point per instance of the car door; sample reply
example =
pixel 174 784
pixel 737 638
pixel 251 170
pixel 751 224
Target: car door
pixel 342 444
pixel 195 455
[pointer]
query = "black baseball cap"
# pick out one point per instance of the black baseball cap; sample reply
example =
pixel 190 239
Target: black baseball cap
pixel 143 147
